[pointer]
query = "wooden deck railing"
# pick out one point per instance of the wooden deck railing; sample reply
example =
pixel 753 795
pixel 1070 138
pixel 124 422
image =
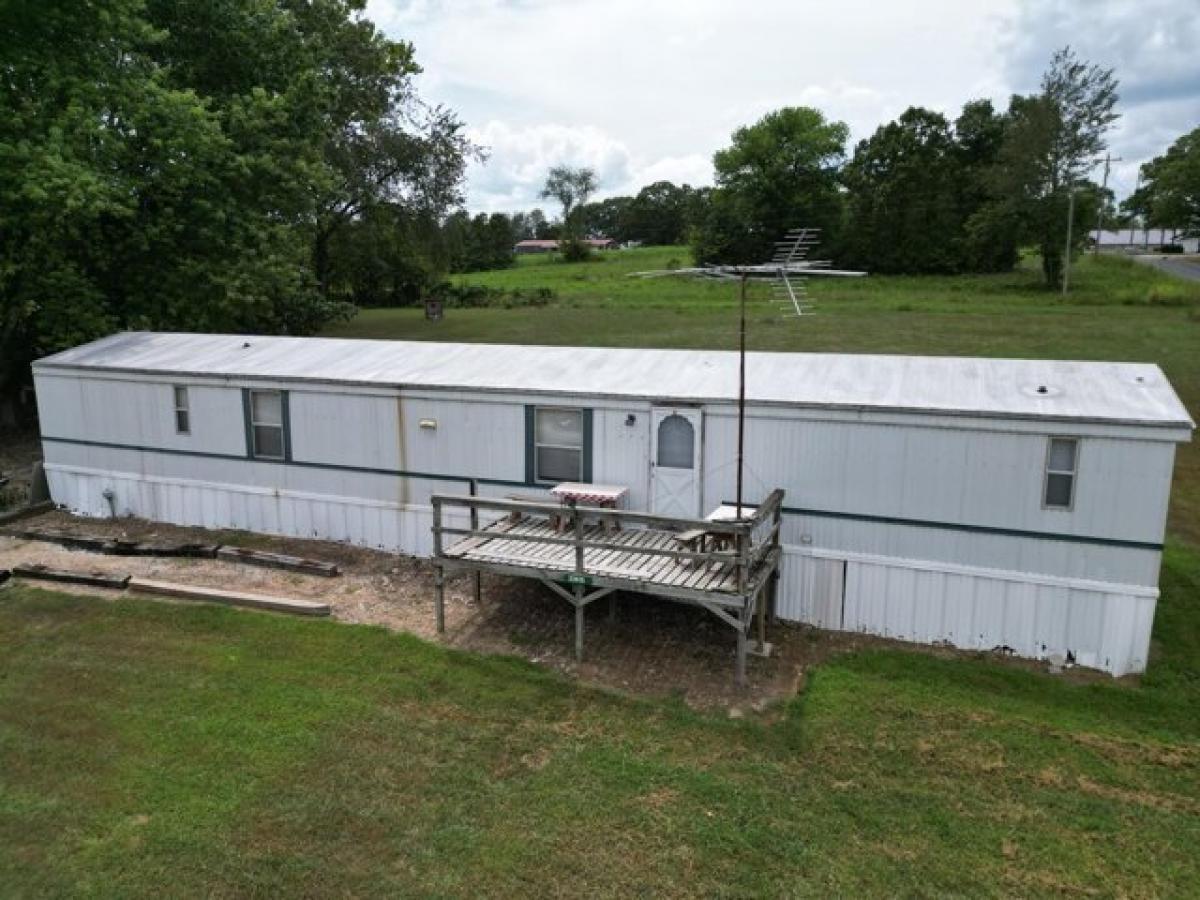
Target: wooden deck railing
pixel 749 540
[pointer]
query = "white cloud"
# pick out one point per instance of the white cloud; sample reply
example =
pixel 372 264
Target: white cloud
pixel 642 90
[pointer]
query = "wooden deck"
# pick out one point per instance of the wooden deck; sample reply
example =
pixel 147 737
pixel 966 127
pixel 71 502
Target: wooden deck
pixel 533 542
pixel 585 553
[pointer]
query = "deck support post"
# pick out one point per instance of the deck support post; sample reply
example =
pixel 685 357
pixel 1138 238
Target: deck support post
pixel 740 670
pixel 478 586
pixel 761 615
pixel 612 607
pixel 579 605
pixel 439 597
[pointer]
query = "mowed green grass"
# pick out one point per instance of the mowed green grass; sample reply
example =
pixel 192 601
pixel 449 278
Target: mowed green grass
pixel 1117 310
pixel 151 749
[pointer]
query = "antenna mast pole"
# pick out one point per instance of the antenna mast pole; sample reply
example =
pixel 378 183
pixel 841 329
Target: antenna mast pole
pixel 741 393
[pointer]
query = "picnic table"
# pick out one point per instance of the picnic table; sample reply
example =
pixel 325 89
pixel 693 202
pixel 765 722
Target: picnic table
pixel 701 540
pixel 605 496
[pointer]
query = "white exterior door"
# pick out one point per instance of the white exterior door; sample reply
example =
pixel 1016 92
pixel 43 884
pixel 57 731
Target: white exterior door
pixel 675 462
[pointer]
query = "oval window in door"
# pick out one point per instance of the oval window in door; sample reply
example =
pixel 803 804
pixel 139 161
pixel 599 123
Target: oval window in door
pixel 676 442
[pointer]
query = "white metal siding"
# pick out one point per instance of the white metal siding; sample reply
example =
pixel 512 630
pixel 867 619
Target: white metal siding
pixel 621 452
pixel 126 412
pixel 951 477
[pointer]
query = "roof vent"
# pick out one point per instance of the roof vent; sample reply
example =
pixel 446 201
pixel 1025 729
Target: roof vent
pixel 1041 391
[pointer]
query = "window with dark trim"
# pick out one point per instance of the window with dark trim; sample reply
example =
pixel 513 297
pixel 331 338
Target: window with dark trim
pixel 1062 463
pixel 558 444
pixel 266 424
pixel 183 421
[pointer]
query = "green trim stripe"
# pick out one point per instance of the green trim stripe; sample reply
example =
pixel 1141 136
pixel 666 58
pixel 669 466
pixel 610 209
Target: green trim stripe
pixel 971 529
pixel 301 464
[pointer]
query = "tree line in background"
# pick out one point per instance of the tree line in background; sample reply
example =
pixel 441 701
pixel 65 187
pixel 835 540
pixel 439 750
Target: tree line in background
pixel 923 195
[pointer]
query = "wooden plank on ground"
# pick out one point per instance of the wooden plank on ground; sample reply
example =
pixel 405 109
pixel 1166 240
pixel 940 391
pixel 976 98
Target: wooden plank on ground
pixel 278 561
pixel 68 539
pixel 71 576
pixel 230 598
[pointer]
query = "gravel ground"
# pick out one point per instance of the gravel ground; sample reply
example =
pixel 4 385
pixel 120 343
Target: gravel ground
pixel 653 647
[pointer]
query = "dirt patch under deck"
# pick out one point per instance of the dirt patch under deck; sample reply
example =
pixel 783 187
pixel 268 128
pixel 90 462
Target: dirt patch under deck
pixel 654 647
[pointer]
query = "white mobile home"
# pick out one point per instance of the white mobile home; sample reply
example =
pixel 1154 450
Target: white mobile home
pixel 980 502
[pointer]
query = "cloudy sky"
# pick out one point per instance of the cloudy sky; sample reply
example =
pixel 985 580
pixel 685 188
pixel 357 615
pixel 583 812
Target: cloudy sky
pixel 642 90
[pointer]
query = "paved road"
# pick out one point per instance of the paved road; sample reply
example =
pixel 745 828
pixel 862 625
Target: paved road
pixel 1183 266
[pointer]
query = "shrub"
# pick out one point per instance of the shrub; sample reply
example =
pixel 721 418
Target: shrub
pixel 574 250
pixel 475 296
pixel 1171 248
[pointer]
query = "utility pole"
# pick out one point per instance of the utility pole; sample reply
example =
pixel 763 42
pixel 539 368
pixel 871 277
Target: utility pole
pixel 741 426
pixel 1108 160
pixel 1067 255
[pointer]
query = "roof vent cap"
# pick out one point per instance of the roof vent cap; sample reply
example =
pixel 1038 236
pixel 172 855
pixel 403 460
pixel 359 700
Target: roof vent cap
pixel 1041 390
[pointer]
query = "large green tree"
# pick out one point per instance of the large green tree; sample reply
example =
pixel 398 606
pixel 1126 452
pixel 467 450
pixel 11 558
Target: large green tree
pixel 659 214
pixel 1052 140
pixel 904 204
pixel 778 174
pixel 185 164
pixel 917 196
pixel 571 188
pixel 1170 189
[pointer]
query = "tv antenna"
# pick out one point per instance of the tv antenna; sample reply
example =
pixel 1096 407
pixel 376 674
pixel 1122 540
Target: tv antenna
pixel 789 270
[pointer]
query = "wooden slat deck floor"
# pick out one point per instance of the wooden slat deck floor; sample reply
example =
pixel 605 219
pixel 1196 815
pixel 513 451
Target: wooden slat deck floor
pixel 631 563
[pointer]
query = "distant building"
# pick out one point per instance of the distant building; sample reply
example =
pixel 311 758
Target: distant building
pixel 534 246
pixel 1146 240
pixel 539 246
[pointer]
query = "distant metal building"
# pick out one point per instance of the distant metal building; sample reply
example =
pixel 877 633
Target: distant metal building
pixel 1145 240
pixel 979 502
pixel 551 246
pixel 535 246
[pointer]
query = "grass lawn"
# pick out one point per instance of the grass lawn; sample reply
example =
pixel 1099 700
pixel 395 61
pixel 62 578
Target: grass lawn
pixel 1118 310
pixel 206 751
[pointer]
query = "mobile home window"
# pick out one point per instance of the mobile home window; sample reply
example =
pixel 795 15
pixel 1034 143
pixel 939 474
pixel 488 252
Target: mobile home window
pixel 268 435
pixel 558 444
pixel 183 423
pixel 1062 457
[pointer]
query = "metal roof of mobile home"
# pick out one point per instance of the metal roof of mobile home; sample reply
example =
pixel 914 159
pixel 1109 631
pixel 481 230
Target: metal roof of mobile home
pixel 1127 393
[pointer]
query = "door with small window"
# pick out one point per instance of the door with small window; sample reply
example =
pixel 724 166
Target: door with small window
pixel 675 462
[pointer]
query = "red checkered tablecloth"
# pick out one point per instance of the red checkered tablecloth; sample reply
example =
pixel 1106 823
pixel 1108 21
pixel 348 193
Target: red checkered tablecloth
pixel 594 494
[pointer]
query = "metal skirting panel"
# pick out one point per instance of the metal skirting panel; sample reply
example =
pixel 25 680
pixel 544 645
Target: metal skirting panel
pixel 810 590
pixel 1106 629
pixel 378 525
